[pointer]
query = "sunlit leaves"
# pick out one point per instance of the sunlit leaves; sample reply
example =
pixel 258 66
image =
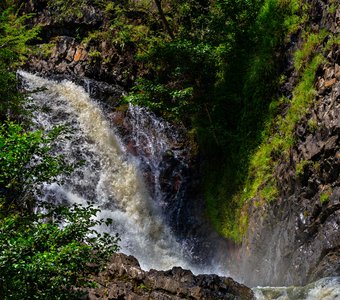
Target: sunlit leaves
pixel 49 254
pixel 14 35
pixel 26 160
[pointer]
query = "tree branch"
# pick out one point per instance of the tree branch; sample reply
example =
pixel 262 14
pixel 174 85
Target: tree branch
pixel 164 20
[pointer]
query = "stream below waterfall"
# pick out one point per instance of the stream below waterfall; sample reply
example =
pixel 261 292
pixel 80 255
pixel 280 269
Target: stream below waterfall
pixel 112 179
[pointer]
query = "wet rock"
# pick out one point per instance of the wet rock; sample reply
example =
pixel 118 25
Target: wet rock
pixel 124 279
pixel 97 61
pixel 329 83
pixel 310 148
pixel 328 265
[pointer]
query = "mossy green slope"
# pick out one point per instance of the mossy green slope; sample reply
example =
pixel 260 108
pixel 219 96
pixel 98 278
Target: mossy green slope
pixel 277 136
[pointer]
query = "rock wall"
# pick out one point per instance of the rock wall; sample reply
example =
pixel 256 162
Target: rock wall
pixel 124 279
pixel 62 51
pixel 295 239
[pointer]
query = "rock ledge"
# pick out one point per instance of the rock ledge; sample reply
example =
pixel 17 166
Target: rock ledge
pixel 124 279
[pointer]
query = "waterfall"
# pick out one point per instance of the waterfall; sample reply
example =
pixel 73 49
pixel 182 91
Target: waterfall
pixel 163 157
pixel 114 181
pixel 108 177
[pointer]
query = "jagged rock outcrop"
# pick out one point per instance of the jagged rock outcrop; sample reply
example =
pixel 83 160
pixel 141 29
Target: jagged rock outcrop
pixel 98 61
pixel 295 239
pixel 124 279
pixel 63 52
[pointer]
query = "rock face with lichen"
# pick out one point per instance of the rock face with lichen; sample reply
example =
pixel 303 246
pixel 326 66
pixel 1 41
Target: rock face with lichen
pixel 295 238
pixel 124 279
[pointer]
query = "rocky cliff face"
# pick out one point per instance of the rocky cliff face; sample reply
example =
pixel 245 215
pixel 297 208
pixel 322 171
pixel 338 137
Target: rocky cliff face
pixel 62 52
pixel 124 279
pixel 295 239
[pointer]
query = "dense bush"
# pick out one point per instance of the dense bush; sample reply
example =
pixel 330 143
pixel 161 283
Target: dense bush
pixel 14 36
pixel 50 255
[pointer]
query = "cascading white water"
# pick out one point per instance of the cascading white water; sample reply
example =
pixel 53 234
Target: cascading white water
pixel 108 177
pixel 151 144
pixel 154 139
pixel 323 289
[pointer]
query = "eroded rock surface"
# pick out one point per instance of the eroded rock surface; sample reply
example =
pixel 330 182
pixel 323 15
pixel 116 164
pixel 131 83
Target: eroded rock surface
pixel 65 51
pixel 124 279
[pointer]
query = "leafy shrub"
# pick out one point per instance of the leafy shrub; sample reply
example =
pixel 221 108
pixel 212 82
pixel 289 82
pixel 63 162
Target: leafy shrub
pixel 50 255
pixel 25 161
pixel 46 254
pixel 14 36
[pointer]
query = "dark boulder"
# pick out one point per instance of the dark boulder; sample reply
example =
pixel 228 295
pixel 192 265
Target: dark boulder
pixel 124 279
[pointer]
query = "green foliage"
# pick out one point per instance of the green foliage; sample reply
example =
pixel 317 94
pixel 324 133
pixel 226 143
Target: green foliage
pixel 10 100
pixel 177 67
pixel 49 255
pixel 301 55
pixel 276 144
pixel 94 55
pixel 143 287
pixel 312 125
pixel 65 11
pixel 128 23
pixel 193 61
pixel 263 135
pixel 243 106
pixel 332 8
pixel 324 196
pixel 269 32
pixel 14 36
pixel 44 50
pixel 300 167
pixel 278 136
pixel 147 93
pixel 25 161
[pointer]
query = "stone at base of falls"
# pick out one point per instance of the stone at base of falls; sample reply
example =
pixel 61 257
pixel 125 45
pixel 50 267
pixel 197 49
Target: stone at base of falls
pixel 124 279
